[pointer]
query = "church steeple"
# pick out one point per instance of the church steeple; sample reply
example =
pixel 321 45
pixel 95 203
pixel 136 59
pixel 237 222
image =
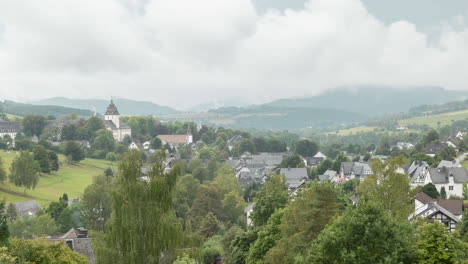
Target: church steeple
pixel 112 109
pixel 112 114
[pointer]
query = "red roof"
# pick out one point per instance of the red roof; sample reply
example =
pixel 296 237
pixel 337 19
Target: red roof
pixel 173 138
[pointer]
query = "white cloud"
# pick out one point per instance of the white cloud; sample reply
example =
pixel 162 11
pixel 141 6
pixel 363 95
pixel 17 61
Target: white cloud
pixel 184 52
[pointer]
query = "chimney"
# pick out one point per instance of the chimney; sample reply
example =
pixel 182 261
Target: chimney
pixel 82 233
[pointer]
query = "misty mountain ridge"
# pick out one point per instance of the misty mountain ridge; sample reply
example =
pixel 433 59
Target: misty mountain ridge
pixel 375 101
pixel 125 106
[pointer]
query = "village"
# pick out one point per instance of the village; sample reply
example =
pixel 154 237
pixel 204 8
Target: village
pixel 441 184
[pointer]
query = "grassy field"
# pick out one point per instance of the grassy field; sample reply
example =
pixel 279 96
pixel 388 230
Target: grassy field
pixel 354 130
pixel 432 120
pixel 70 179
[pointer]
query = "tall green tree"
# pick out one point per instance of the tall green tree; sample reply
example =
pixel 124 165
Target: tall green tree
pixel 33 125
pixel 73 150
pixel 41 155
pixel 143 227
pixel 388 187
pixel 430 190
pixel 306 148
pixel 96 203
pixel 436 245
pixel 320 202
pixel 23 171
pixel 4 231
pixel 364 235
pixel 443 193
pixel 3 174
pixel 271 197
pixel 53 161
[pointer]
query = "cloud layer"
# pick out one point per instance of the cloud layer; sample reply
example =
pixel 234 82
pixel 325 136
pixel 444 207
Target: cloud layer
pixel 184 52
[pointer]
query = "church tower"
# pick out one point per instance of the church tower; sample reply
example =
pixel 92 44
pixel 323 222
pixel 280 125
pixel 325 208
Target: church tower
pixel 112 114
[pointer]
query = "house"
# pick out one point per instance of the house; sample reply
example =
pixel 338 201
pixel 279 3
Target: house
pixel 403 145
pixel 330 175
pixel 250 174
pixel 351 170
pixel 247 211
pixel 147 145
pixel 29 208
pixel 316 160
pixel 448 212
pixel 295 177
pixel 451 179
pixel 78 241
pixel 417 172
pixel 133 145
pixel 176 140
pixel 455 140
pixel 9 129
pixel 113 123
pixel 433 148
pixel 449 164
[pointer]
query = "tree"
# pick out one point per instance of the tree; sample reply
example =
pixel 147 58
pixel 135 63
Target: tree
pixel 306 148
pixel 242 146
pixel 421 156
pixel 73 150
pixel 388 188
pixel 267 238
pixel 111 157
pixel 56 208
pixel 156 143
pixel 41 251
pixel 443 193
pixel 207 200
pixel 53 161
pixel 3 174
pixel 430 137
pixel 27 227
pixel 447 153
pixel 185 193
pixel 11 212
pixel 320 202
pixel 93 125
pixel 206 153
pixel 233 207
pixel 132 234
pixel 4 231
pixel 271 197
pixel 69 132
pixel 430 190
pixel 41 155
pixel 104 142
pixel 96 203
pixel 293 162
pixel 225 181
pixel 436 245
pixel 108 172
pixel 364 235
pixel 33 125
pixel 23 171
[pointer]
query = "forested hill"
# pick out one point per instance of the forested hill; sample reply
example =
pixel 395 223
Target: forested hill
pixel 269 117
pixel 21 109
pixel 375 101
pixel 126 106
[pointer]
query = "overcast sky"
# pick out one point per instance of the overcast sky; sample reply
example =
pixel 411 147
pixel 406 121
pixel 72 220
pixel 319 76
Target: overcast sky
pixel 185 52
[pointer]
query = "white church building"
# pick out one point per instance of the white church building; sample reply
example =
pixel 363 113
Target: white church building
pixel 113 123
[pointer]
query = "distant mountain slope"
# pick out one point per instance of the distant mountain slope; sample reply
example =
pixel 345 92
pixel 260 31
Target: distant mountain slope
pixel 21 109
pixel 125 106
pixel 269 117
pixel 374 101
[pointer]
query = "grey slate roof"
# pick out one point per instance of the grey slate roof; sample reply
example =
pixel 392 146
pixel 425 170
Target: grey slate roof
pixel 441 175
pixel 27 208
pixel 356 168
pixel 10 127
pixel 448 164
pixel 294 173
pixel 416 171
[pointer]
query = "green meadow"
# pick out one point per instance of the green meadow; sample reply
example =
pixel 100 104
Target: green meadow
pixel 70 178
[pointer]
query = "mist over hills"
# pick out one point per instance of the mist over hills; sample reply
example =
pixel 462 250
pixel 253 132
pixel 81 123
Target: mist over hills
pixel 334 108
pixel 126 106
pixel 374 101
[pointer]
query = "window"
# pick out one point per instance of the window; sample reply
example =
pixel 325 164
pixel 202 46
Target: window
pixel 450 188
